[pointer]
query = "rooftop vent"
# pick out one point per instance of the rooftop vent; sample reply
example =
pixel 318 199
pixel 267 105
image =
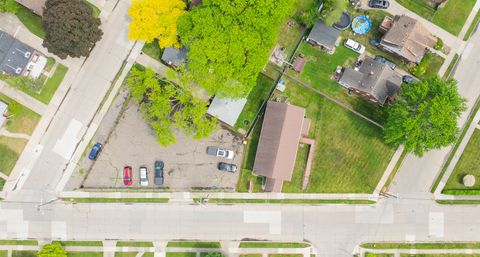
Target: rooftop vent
pixel 18 70
pixel 28 54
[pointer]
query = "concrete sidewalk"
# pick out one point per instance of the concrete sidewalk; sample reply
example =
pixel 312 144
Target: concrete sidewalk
pixel 22 98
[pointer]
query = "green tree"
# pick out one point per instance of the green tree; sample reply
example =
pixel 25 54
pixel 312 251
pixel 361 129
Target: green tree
pixel 332 10
pixel 425 115
pixel 9 6
pixel 167 106
pixel 71 28
pixel 229 42
pixel 52 250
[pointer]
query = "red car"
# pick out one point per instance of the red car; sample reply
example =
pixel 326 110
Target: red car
pixel 127 176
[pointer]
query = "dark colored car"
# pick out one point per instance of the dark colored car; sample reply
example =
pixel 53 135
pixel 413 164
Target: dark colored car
pixel 127 176
pixel 408 79
pixel 228 167
pixel 158 178
pixel 380 4
pixel 95 151
pixel 382 59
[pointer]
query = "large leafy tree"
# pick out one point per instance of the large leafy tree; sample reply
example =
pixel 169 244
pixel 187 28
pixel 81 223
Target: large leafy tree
pixel 229 42
pixel 153 19
pixel 332 10
pixel 52 250
pixel 8 6
pixel 71 29
pixel 167 106
pixel 425 115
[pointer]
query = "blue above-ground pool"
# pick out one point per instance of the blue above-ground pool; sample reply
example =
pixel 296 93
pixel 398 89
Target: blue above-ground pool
pixel 361 24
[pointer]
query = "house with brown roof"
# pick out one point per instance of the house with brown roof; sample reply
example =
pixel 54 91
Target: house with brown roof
pixel 284 127
pixel 373 80
pixel 35 5
pixel 408 39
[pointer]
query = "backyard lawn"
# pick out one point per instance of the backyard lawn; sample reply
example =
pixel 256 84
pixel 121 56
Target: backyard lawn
pixel 42 90
pixel 10 150
pixel 318 73
pixel 469 163
pixel 350 154
pixel 246 174
pixel 255 99
pixel 22 120
pixel 452 17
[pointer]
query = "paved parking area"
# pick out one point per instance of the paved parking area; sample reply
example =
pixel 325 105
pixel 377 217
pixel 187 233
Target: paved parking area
pixel 187 165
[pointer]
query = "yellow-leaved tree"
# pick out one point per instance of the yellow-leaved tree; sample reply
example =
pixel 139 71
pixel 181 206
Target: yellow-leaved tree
pixel 156 19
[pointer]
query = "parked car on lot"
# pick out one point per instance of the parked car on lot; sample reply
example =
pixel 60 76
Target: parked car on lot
pixel 382 59
pixel 228 167
pixel 95 151
pixel 143 176
pixel 127 176
pixel 408 79
pixel 380 4
pixel 355 46
pixel 158 176
pixel 218 152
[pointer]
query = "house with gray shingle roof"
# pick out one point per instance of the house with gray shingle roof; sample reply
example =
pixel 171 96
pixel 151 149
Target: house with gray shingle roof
pixel 324 36
pixel 408 39
pixel 373 80
pixel 174 57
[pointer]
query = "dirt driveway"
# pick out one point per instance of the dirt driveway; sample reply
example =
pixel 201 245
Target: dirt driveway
pixel 187 165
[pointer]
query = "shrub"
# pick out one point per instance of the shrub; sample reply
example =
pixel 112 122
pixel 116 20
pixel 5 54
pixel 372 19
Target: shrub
pixel 439 44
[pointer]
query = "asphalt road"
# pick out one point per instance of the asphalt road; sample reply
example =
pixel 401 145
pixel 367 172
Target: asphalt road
pixel 78 108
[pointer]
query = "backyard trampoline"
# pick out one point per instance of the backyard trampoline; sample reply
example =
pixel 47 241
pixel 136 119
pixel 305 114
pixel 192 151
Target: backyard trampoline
pixel 361 24
pixel 344 22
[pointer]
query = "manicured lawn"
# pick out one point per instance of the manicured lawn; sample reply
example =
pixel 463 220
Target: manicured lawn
pixel 287 201
pixel 118 200
pixel 318 73
pixel 255 99
pixel 2 183
pixel 250 255
pixel 246 174
pixel 378 255
pixel 273 245
pixel 22 119
pixel 194 244
pixel 10 150
pixel 473 25
pixel 420 7
pixel 3 253
pixel 350 153
pixel 32 21
pixel 459 202
pixel 441 245
pixel 18 242
pixel 150 255
pixel 134 244
pixel 289 35
pixel 469 163
pixel 180 254
pixel 125 254
pixel 80 243
pixel 25 254
pixel 432 64
pixel 452 17
pixel 153 50
pixel 84 254
pixel 439 255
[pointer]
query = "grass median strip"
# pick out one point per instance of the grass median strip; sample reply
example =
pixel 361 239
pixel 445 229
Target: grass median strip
pixel 125 254
pixel 84 254
pixel 193 244
pixel 451 66
pixel 472 27
pixel 80 243
pixel 459 202
pixel 134 244
pixel 441 245
pixel 117 200
pixel 173 254
pixel 273 245
pixel 285 201
pixel 18 242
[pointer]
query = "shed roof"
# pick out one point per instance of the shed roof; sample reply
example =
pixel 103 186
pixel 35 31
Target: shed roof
pixel 174 56
pixel 14 55
pixel 35 5
pixel 279 140
pixel 375 78
pixel 324 35
pixel 226 110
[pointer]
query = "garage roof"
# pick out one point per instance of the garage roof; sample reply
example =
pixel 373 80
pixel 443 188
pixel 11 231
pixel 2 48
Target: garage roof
pixel 226 110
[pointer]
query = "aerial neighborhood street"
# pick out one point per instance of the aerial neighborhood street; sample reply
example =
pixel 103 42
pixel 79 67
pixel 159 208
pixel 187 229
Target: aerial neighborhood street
pixel 278 128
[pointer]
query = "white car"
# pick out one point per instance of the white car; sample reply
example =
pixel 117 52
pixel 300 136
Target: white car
pixel 355 46
pixel 143 177
pixel 218 152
